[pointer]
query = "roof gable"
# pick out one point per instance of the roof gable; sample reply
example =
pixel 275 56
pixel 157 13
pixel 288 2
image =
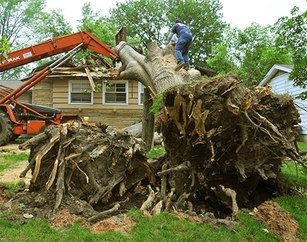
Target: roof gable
pixel 273 71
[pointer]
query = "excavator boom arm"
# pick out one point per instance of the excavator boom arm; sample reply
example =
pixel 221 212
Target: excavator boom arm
pixel 56 46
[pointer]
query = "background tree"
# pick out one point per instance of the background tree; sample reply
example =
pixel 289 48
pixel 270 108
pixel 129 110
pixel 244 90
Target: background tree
pixel 49 25
pixel 144 20
pixel 205 21
pixel 151 20
pixel 53 24
pixel 4 48
pixel 17 17
pixel 253 51
pixel 292 33
pixel 221 60
pixel 98 25
pixel 257 44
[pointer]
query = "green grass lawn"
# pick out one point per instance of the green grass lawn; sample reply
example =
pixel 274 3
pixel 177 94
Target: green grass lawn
pixel 296 174
pixel 297 206
pixel 162 227
pixel 7 161
pixel 302 145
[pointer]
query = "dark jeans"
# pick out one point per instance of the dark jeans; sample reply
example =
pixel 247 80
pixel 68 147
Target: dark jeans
pixel 182 48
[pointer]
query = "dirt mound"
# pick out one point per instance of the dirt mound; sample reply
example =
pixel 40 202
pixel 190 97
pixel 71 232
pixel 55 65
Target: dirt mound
pixel 65 219
pixel 278 220
pixel 121 223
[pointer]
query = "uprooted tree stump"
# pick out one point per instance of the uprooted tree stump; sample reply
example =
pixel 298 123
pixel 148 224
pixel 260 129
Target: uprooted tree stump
pixel 92 163
pixel 219 134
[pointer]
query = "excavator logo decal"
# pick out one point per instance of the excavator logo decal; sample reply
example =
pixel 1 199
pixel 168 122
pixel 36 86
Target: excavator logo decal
pixel 10 60
pixel 25 55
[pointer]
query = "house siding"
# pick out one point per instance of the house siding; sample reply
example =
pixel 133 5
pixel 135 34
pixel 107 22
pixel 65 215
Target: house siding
pixel 42 93
pixel 54 92
pixel 282 85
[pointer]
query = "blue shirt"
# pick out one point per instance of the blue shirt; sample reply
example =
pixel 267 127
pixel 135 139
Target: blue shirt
pixel 180 29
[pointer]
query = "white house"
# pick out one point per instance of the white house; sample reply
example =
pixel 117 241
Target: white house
pixel 278 78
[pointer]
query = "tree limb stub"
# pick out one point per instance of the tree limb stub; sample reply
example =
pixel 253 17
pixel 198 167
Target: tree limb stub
pixel 148 203
pixel 41 154
pixel 182 167
pixel 105 190
pixel 33 141
pixel 60 189
pixel 106 212
pixel 232 194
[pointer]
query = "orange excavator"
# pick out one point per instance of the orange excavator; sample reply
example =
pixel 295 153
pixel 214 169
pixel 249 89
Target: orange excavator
pixel 18 118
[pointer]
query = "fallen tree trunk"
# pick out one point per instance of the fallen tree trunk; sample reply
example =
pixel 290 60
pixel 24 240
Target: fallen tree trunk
pixel 156 70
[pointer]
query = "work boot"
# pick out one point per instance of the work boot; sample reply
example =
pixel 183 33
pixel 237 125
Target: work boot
pixel 186 67
pixel 179 66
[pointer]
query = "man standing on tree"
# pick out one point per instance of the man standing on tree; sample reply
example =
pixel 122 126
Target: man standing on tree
pixel 183 44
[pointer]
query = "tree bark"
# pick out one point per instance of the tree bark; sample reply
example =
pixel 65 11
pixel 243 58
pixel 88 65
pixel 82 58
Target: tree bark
pixel 148 121
pixel 156 70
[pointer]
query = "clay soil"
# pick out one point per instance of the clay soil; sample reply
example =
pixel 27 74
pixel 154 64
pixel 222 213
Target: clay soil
pixel 31 205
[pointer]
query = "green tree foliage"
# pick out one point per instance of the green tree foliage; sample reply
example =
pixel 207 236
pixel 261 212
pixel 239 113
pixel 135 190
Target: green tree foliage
pixel 205 21
pixel 4 48
pixel 144 20
pixel 292 33
pixel 49 25
pixel 151 20
pixel 250 53
pixel 17 18
pixel 258 53
pixel 221 60
pixel 98 25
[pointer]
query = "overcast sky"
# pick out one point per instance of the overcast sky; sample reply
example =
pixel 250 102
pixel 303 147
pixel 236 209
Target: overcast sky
pixel 238 13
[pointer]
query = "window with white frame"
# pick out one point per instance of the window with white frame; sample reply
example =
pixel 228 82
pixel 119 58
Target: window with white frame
pixel 80 92
pixel 141 93
pixel 115 92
